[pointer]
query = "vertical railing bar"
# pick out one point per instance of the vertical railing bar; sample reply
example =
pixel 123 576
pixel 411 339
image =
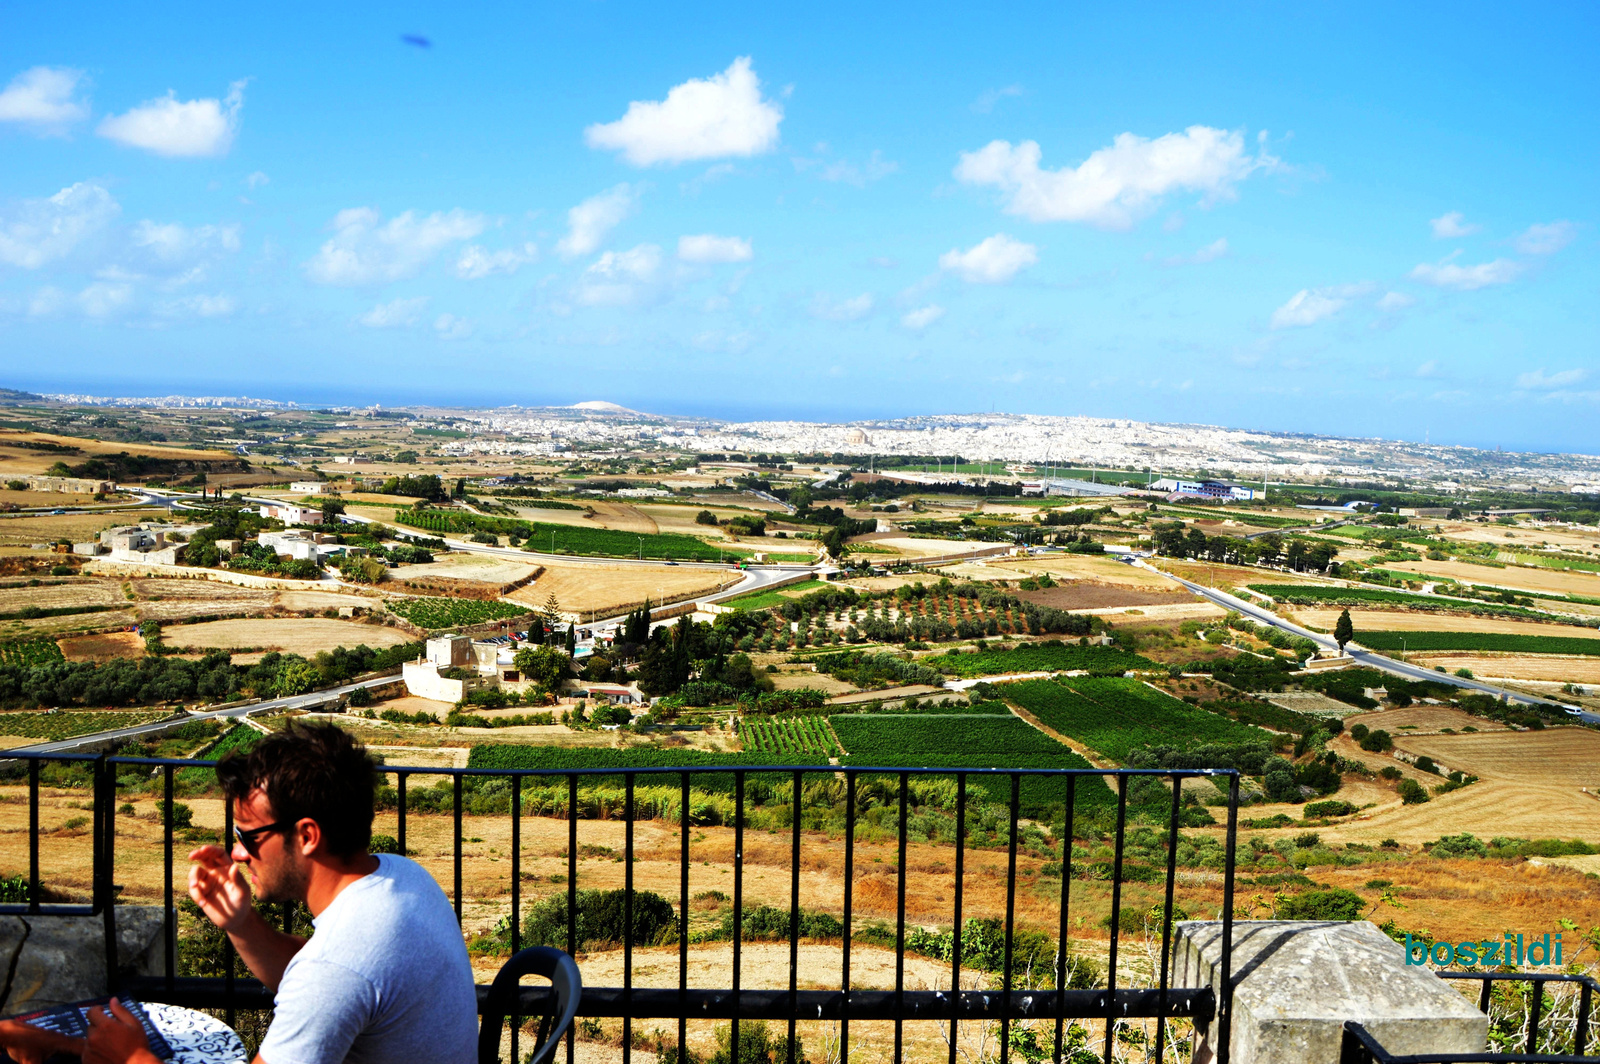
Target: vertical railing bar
pixel 1116 916
pixel 457 792
pixel 33 834
pixel 1581 1035
pixel 169 930
pixel 1062 956
pixel 794 916
pixel 627 919
pixel 738 902
pixel 572 891
pixel 516 896
pixel 1011 916
pixel 400 802
pixel 228 1013
pixel 1225 1002
pixel 106 775
pixel 1535 1006
pixel 900 927
pixel 1483 998
pixel 683 925
pixel 1166 913
pixel 955 928
pixel 849 897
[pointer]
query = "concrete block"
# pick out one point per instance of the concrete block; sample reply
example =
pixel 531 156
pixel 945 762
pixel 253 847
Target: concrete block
pixel 53 960
pixel 1297 982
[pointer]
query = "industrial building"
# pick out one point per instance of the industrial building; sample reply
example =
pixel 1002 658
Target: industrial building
pixel 1203 489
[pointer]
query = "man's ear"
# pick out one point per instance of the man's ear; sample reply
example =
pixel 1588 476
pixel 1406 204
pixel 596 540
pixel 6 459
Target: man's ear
pixel 307 836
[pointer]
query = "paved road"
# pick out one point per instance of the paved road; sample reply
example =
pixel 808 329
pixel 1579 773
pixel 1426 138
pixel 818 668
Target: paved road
pixel 274 705
pixel 1402 669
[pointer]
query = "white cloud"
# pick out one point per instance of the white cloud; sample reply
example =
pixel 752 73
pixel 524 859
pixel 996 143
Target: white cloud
pixel 1393 301
pixel 104 298
pixel 922 317
pixel 1466 278
pixel 1452 225
pixel 708 248
pixel 173 127
pixel 44 98
pixel 1428 369
pixel 1210 253
pixel 171 242
pixel 590 221
pixel 451 327
pixel 40 231
pixel 846 172
pixel 1540 381
pixel 1307 307
pixel 396 314
pixel 1546 239
pixel 618 278
pixel 1114 186
pixel 476 262
pixel 364 252
pixel 714 118
pixel 989 97
pixel 46 301
pixel 853 309
pixel 992 261
pixel 200 306
pixel 256 179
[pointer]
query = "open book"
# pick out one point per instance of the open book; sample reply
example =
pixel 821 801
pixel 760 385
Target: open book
pixel 73 1021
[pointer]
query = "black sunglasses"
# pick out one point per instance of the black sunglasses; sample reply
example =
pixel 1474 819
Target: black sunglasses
pixel 251 838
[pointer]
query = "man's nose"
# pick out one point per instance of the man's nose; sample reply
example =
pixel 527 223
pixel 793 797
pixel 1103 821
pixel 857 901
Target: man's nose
pixel 239 853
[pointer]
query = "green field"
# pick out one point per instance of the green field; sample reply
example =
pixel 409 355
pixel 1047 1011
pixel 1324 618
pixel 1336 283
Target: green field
pixel 30 652
pixel 1038 657
pixel 765 600
pixel 452 612
pixel 1493 641
pixel 566 539
pixel 1558 561
pixel 802 739
pixel 1316 595
pixel 513 756
pixel 1116 716
pixel 49 725
pixel 916 741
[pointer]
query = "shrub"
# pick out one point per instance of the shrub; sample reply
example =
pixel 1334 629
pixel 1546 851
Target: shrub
pixel 1329 808
pixel 361 696
pixel 1411 792
pixel 1389 772
pixel 1358 732
pixel 179 815
pixel 384 844
pixel 600 918
pixel 1307 841
pixel 1463 845
pixel 1377 741
pixel 1335 904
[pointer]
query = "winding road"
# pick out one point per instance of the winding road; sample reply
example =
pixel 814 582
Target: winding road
pixel 1361 656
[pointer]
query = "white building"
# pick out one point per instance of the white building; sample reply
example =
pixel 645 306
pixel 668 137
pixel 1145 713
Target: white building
pixel 292 513
pixel 311 487
pixel 1205 489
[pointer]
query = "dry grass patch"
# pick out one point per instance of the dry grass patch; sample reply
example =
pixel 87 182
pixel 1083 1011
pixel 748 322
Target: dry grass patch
pixel 78 528
pixel 606 589
pixel 457 565
pixel 1421 621
pixel 77 594
pixel 1548 667
pixel 296 635
pixel 102 646
pixel 1421 719
pixel 324 600
pixel 1524 578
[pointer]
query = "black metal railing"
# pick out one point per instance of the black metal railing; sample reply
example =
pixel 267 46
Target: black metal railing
pixel 1361 1046
pixel 1112 1006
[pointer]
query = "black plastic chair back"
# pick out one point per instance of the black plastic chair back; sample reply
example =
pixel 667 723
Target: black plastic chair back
pixel 566 987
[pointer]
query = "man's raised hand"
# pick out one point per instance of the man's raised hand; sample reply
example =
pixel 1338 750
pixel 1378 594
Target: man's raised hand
pixel 218 886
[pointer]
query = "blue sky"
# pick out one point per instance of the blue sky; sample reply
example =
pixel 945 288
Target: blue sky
pixel 1363 220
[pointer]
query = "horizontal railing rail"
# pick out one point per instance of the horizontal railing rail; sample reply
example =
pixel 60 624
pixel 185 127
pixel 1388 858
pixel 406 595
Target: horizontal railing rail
pixel 1004 1002
pixel 1361 1046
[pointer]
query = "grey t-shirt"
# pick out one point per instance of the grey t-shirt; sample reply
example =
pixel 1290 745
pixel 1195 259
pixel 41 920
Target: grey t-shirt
pixel 383 980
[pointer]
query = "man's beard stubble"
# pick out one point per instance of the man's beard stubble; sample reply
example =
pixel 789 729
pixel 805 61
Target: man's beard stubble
pixel 287 882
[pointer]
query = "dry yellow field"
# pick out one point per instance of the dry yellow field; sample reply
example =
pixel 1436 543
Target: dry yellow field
pixel 484 568
pixel 1085 567
pixel 48 528
pixel 1424 719
pixel 323 600
pixel 602 589
pixel 15 459
pixel 298 635
pixel 1404 621
pixel 1522 577
pixel 1565 756
pixel 1551 667
pixel 51 499
pixel 77 593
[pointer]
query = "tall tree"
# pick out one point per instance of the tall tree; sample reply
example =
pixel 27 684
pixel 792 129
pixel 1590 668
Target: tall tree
pixel 1343 630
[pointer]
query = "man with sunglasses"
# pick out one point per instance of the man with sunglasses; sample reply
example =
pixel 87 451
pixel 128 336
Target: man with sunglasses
pixel 385 976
